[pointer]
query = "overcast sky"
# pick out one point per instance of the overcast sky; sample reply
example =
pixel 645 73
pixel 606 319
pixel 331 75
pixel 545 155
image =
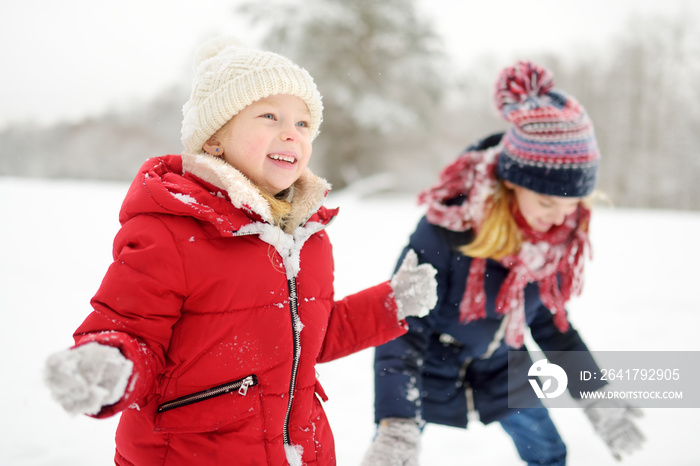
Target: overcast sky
pixel 71 58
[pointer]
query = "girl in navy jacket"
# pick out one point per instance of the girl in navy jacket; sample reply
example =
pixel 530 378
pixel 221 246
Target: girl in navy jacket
pixel 507 230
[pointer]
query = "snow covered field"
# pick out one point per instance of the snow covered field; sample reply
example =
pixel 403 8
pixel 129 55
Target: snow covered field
pixel 55 245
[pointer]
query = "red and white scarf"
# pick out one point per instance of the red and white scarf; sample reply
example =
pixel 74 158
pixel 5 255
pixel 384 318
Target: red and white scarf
pixel 554 259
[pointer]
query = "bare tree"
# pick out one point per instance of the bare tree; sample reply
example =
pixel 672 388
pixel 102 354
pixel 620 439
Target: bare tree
pixel 377 65
pixel 646 114
pixel 392 104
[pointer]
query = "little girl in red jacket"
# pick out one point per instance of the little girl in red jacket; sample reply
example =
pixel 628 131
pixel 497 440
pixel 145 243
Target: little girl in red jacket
pixel 206 329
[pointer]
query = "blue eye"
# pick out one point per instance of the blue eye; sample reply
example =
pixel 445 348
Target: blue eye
pixel 269 116
pixel 303 124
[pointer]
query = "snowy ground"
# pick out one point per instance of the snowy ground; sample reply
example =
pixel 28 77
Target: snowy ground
pixel 55 245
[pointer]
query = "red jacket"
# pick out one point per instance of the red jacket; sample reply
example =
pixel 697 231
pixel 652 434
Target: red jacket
pixel 225 316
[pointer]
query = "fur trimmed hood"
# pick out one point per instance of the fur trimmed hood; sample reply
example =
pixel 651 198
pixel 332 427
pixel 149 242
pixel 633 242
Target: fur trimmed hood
pixel 209 189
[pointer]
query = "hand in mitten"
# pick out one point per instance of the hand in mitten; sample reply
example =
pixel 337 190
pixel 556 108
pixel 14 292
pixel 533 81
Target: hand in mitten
pixel 612 420
pixel 415 287
pixel 397 444
pixel 86 378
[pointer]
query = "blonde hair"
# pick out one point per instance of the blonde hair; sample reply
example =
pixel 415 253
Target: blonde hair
pixel 498 235
pixel 279 208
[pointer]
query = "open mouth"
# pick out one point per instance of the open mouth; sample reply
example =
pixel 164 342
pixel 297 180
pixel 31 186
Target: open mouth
pixel 283 158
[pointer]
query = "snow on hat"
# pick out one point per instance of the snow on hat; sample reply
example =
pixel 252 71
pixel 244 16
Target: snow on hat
pixel 549 147
pixel 229 76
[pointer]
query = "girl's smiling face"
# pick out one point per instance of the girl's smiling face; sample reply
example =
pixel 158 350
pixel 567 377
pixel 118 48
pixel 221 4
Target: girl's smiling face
pixel 542 212
pixel 269 141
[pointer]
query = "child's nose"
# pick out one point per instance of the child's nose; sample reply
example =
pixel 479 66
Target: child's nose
pixel 289 133
pixel 559 217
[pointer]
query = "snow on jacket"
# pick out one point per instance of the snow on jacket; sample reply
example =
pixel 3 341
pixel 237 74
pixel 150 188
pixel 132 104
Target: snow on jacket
pixel 225 316
pixel 442 369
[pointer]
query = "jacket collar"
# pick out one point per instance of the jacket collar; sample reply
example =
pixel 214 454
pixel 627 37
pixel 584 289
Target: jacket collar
pixel 309 191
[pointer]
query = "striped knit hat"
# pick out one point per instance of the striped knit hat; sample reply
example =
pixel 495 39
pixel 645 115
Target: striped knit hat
pixel 228 77
pixel 549 147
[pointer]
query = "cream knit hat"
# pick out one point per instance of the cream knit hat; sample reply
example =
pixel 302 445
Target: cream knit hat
pixel 228 77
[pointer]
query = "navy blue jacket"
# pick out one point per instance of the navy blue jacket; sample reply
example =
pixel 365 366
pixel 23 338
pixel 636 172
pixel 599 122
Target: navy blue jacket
pixel 439 367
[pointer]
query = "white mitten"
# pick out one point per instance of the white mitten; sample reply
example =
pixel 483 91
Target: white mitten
pixel 86 378
pixel 415 287
pixel 397 444
pixel 612 421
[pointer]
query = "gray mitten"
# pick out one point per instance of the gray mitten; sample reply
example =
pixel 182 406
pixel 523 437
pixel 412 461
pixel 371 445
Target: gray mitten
pixel 415 287
pixel 86 378
pixel 397 444
pixel 612 421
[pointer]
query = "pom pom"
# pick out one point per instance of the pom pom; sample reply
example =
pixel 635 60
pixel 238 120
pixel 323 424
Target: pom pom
pixel 520 82
pixel 211 48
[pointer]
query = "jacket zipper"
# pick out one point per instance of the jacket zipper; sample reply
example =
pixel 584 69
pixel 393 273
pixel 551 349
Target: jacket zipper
pixel 241 385
pixel 472 413
pixel 294 312
pixel 293 305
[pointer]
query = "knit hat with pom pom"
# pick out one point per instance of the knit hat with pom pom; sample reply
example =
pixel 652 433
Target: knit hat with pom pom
pixel 229 76
pixel 549 147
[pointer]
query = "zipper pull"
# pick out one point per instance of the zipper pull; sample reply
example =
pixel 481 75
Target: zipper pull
pixel 247 382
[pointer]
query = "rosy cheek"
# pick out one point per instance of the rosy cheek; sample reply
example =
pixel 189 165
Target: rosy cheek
pixel 535 221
